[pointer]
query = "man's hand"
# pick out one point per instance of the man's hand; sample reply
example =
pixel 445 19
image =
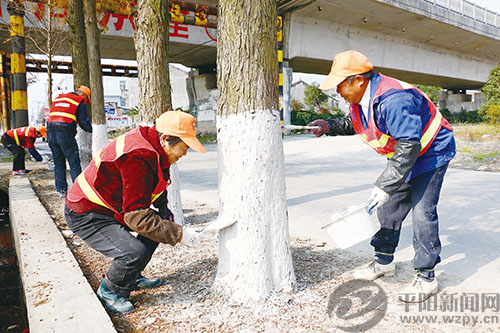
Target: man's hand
pixel 190 236
pixel 323 127
pixel 377 199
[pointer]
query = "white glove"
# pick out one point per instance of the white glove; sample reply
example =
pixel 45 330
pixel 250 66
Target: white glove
pixel 377 199
pixel 190 236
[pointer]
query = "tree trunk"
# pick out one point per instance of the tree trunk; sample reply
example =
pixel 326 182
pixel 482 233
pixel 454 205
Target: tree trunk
pixel 79 57
pixel 49 55
pixel 151 47
pixel 99 129
pixel 254 253
pixel 151 44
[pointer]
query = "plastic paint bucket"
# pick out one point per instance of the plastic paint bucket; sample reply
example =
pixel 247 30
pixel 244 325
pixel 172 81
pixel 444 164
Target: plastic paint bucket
pixel 351 226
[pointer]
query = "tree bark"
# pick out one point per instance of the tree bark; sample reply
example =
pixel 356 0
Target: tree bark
pixel 151 44
pixel 254 253
pixel 151 47
pixel 99 129
pixel 79 57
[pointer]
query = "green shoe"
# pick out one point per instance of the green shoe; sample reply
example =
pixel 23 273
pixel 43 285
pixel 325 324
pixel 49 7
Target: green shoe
pixel 114 302
pixel 145 283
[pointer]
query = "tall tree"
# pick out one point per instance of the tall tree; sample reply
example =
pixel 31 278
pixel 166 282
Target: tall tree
pixel 151 43
pixel 99 128
pixel 49 36
pixel 79 57
pixel 254 253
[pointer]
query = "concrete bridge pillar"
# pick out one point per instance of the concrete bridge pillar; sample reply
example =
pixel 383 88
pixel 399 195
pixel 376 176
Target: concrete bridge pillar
pixel 202 94
pixel 457 100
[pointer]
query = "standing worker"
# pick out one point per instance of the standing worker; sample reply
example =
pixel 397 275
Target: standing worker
pixel 66 112
pixel 113 196
pixel 400 122
pixel 17 139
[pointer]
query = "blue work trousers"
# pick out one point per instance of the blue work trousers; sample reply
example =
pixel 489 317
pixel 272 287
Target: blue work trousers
pixel 105 234
pixel 421 195
pixel 64 147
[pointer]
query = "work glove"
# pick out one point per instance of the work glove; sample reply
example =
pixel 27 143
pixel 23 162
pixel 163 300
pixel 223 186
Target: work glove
pixel 166 213
pixel 377 199
pixel 323 127
pixel 190 236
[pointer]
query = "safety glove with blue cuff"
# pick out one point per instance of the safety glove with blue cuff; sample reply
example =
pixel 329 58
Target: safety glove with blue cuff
pixel 377 199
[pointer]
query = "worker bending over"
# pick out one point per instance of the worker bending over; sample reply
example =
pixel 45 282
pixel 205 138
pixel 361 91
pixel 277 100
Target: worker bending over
pixel 401 123
pixel 113 196
pixel 15 140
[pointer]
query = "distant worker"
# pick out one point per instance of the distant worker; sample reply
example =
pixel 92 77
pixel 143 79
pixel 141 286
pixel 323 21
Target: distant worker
pixel 401 123
pixel 66 112
pixel 113 196
pixel 15 140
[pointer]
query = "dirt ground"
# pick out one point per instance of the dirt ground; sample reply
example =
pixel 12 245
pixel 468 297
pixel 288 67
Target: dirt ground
pixel 185 303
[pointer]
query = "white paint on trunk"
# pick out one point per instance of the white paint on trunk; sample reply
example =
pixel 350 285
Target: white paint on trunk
pixel 99 137
pixel 84 140
pixel 174 195
pixel 254 254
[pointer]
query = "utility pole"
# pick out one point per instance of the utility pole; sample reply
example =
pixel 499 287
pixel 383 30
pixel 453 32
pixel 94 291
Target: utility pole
pixel 18 64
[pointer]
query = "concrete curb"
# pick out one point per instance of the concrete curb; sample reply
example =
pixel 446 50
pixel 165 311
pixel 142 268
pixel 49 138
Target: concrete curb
pixel 58 296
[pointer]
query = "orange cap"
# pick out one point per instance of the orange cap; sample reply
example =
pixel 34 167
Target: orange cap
pixel 42 130
pixel 181 124
pixel 85 90
pixel 344 65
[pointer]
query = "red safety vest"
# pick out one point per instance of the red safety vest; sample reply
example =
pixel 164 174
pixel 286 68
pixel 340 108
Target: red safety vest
pixel 20 134
pixel 383 143
pixel 84 186
pixel 64 108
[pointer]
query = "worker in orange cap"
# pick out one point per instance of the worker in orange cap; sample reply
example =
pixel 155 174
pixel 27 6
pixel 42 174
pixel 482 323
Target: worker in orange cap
pixel 17 139
pixel 66 112
pixel 114 194
pixel 401 123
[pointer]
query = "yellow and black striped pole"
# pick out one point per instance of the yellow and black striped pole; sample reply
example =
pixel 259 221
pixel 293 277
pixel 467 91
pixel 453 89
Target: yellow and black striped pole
pixel 18 64
pixel 4 92
pixel 280 66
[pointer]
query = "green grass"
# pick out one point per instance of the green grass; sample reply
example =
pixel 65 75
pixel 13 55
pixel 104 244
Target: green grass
pixel 7 159
pixel 207 138
pixel 485 156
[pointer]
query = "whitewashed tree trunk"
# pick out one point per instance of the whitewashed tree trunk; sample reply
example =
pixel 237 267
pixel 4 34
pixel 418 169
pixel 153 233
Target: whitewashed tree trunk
pixel 174 195
pixel 254 253
pixel 151 45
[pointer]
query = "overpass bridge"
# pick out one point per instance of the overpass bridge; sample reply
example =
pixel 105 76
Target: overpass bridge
pixel 447 43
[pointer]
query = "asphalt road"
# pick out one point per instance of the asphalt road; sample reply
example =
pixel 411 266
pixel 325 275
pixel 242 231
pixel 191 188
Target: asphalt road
pixel 327 174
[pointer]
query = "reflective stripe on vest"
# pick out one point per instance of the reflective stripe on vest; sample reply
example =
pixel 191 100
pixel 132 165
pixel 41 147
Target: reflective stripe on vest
pixel 91 194
pixel 64 114
pixel 64 108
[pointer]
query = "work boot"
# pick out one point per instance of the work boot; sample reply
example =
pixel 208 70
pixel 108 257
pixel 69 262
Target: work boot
pixel 420 289
pixel 62 194
pixel 112 301
pixel 145 283
pixel 375 270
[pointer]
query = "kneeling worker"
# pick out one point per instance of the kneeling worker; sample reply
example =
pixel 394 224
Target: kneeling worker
pixel 113 195
pixel 15 140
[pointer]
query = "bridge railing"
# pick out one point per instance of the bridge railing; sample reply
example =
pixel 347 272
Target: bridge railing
pixel 469 9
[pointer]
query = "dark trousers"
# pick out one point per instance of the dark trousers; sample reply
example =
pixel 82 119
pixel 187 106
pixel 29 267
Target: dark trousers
pixel 421 195
pixel 63 146
pixel 105 234
pixel 17 151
